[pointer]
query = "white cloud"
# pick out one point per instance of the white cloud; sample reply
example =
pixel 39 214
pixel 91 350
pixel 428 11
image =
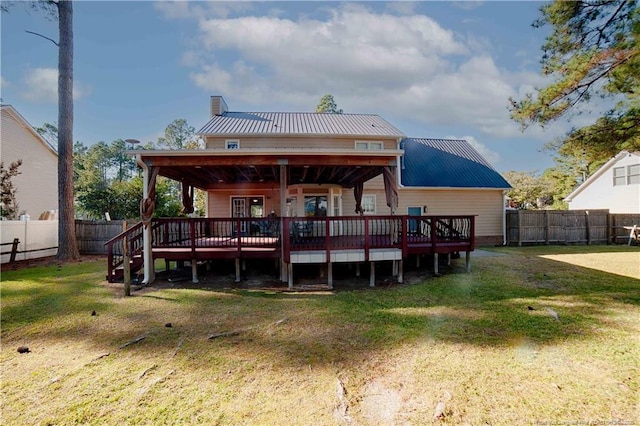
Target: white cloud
pixel 354 52
pixel 185 9
pixel 491 156
pixel 402 7
pixel 467 4
pixel 42 86
pixel 389 63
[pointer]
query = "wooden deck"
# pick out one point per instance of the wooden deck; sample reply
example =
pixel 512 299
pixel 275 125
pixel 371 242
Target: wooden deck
pixel 302 240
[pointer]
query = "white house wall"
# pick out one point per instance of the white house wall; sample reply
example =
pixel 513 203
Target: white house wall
pixel 602 194
pixel 37 183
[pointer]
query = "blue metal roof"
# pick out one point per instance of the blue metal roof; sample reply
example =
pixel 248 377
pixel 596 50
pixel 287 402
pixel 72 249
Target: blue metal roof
pixel 447 163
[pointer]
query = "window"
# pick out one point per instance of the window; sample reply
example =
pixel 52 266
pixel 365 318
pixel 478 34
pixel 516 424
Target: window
pixel 369 145
pixel 369 204
pixel 315 205
pixel 232 144
pixel 618 176
pixel 633 174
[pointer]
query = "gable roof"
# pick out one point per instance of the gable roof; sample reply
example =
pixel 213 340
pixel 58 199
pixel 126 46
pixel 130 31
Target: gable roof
pixel 9 109
pixel 606 166
pixel 299 124
pixel 447 163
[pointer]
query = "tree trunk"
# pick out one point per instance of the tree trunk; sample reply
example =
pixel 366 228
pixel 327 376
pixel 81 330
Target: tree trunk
pixel 67 245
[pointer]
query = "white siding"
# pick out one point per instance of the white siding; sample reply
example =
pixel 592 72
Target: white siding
pixel 602 194
pixel 38 182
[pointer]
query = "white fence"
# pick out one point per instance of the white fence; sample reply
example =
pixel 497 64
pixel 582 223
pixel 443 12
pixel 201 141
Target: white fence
pixel 38 238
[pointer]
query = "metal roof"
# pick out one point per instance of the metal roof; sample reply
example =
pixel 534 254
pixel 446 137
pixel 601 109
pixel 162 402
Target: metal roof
pixel 298 123
pixel 447 163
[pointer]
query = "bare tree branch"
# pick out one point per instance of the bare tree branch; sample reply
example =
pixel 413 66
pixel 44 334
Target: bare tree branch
pixel 40 35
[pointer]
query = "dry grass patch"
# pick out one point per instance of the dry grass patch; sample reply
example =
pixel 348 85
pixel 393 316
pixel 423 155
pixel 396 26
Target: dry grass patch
pixel 625 263
pixel 479 348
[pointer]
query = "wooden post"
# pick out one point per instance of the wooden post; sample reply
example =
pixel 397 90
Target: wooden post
pixel 126 266
pixel 194 271
pixel 435 263
pixel 400 275
pixel 330 275
pixel 290 275
pixel 519 228
pixel 237 270
pixel 14 250
pixel 372 274
pixel 586 225
pixel 546 227
pixel 283 212
pixel 608 232
pixel 468 261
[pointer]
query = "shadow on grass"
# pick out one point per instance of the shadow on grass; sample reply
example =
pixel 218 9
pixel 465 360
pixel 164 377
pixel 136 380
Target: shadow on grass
pixel 505 299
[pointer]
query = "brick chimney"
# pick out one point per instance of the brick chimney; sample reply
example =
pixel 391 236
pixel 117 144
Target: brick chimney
pixel 218 106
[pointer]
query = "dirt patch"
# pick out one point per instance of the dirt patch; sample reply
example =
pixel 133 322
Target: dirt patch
pixel 380 404
pixel 46 261
pixel 264 282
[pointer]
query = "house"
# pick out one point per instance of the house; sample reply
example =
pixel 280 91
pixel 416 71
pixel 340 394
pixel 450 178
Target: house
pixel 614 186
pixel 37 183
pixel 319 188
pixel 451 177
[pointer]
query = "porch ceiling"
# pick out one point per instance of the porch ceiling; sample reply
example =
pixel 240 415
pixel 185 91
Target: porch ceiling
pixel 210 171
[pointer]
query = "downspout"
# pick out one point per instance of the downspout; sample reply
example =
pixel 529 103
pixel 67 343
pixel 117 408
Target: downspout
pixel 149 271
pixel 504 218
pixel 399 164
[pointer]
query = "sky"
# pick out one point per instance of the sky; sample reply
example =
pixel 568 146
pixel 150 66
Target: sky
pixel 432 69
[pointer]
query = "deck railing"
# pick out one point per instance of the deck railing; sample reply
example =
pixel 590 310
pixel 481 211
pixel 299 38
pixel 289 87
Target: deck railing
pixel 199 238
pixel 124 246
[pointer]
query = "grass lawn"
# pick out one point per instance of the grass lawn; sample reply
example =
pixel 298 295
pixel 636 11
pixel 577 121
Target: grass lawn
pixel 540 335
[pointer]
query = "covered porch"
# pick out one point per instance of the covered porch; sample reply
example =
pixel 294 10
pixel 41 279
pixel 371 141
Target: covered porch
pixel 325 235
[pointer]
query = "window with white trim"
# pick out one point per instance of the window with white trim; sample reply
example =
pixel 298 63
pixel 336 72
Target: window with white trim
pixel 633 174
pixel 369 204
pixel 232 144
pixel 618 176
pixel 369 145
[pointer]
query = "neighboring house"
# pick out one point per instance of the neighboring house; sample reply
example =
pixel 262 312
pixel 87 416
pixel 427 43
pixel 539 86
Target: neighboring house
pixel 37 183
pixel 614 186
pixel 349 187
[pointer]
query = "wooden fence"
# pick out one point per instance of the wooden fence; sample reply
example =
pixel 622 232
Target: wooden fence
pixel 92 235
pixel 532 227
